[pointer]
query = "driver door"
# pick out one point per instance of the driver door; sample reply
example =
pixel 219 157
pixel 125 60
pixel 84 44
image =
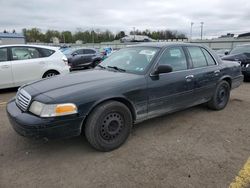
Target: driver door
pixel 168 92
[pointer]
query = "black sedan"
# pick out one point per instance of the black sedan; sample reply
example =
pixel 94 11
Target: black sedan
pixel 135 84
pixel 242 55
pixel 79 58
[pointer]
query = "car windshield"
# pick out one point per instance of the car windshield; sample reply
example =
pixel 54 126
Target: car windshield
pixel 131 59
pixel 68 51
pixel 240 50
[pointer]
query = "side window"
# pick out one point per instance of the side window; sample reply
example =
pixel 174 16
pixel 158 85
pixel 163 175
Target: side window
pixel 79 52
pixel 46 52
pixel 3 54
pixel 210 60
pixel 175 57
pixel 88 51
pixel 22 53
pixel 197 56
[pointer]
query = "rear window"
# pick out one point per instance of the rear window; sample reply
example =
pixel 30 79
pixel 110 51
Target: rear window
pixel 46 52
pixel 210 60
pixel 197 56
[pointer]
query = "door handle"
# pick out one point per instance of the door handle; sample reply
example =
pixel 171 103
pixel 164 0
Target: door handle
pixel 41 63
pixel 5 66
pixel 189 78
pixel 216 72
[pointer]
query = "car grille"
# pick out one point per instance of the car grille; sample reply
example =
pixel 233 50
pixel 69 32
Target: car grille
pixel 23 99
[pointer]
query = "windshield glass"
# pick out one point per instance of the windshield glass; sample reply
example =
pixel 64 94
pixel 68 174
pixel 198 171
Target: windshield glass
pixel 68 51
pixel 131 59
pixel 240 50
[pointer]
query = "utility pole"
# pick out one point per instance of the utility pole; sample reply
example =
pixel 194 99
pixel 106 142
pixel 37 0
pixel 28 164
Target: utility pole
pixel 63 39
pixel 134 32
pixel 202 23
pixel 93 37
pixel 191 30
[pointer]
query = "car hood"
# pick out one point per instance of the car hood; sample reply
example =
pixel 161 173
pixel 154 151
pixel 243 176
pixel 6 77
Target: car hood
pixel 84 81
pixel 236 57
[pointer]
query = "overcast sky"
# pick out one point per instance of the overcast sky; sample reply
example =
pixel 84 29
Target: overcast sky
pixel 219 16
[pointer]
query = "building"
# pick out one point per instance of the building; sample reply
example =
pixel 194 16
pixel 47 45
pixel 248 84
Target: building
pixel 11 38
pixel 244 36
pixel 55 40
pixel 228 35
pixel 136 38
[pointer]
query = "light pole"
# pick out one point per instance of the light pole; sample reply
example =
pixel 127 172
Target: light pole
pixel 202 23
pixel 93 36
pixel 134 32
pixel 191 30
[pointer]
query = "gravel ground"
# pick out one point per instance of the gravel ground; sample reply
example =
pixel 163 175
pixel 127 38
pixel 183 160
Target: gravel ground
pixel 196 147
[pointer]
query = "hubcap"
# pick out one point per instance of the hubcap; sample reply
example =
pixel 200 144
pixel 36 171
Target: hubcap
pixel 50 75
pixel 222 95
pixel 112 126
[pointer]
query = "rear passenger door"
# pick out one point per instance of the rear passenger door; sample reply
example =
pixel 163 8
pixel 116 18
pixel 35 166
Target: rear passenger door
pixel 88 54
pixel 206 73
pixel 27 64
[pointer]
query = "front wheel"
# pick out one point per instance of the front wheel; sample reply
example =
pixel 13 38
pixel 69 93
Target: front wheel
pixel 50 74
pixel 221 96
pixel 108 126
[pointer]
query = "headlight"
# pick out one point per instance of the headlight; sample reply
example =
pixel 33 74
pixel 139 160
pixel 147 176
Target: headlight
pixel 52 110
pixel 247 65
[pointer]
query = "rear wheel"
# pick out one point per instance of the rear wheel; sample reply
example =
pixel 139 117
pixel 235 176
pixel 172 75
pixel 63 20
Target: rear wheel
pixel 95 63
pixel 50 74
pixel 108 126
pixel 221 96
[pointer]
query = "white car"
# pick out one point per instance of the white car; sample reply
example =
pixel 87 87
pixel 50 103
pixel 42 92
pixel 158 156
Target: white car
pixel 20 64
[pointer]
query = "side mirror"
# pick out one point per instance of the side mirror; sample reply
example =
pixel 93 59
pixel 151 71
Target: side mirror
pixel 162 69
pixel 74 54
pixel 226 52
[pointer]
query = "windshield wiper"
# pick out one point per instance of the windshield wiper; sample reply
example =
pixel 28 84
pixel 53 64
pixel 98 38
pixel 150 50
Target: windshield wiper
pixel 117 68
pixel 101 66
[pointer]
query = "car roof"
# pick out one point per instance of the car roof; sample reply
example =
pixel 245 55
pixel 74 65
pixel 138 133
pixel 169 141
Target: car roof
pixel 165 44
pixel 30 45
pixel 81 48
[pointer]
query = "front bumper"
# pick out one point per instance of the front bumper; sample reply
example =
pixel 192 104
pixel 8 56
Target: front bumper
pixel 29 125
pixel 246 71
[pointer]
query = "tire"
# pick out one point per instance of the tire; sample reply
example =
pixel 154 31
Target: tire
pixel 108 126
pixel 93 65
pixel 50 74
pixel 221 96
pixel 246 78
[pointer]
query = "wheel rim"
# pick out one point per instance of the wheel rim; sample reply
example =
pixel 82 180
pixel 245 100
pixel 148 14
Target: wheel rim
pixel 50 75
pixel 222 95
pixel 112 126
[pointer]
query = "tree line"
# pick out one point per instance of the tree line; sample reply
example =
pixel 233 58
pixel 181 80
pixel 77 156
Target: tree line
pixel 96 36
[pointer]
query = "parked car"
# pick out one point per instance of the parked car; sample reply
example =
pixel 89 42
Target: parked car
pixel 134 84
pixel 222 52
pixel 106 51
pixel 20 64
pixel 242 55
pixel 79 58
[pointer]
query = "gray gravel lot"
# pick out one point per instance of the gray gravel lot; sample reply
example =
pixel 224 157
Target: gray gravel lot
pixel 196 147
